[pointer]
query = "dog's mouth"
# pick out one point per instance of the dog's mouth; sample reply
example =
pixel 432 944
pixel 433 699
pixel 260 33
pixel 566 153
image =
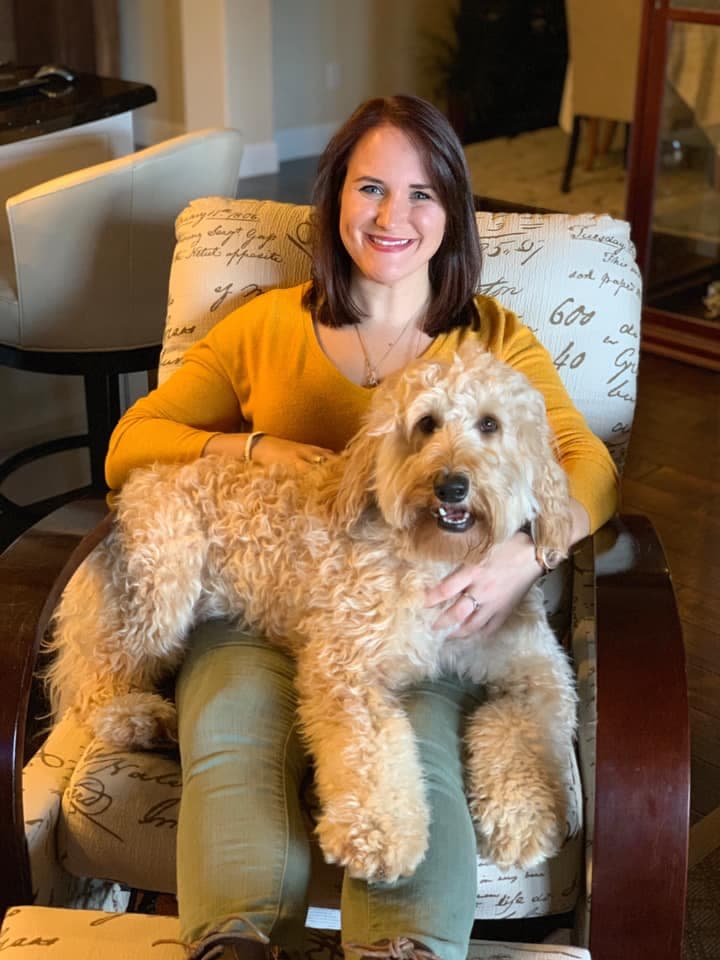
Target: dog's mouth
pixel 453 519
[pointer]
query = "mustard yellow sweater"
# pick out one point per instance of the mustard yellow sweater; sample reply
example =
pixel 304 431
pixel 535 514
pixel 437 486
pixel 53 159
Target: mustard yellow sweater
pixel 262 368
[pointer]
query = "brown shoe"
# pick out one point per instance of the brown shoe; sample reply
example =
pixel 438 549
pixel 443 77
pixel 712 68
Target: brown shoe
pixel 400 948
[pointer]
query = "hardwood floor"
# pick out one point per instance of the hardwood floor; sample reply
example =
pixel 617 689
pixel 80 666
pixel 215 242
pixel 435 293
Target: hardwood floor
pixel 673 476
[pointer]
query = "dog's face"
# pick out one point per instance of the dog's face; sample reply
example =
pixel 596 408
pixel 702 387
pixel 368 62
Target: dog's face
pixel 458 456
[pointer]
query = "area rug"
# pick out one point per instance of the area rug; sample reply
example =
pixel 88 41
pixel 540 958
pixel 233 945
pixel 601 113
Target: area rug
pixel 528 169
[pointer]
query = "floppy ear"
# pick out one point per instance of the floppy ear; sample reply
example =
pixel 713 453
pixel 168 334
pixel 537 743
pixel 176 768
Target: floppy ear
pixel 351 489
pixel 552 524
pixel 352 485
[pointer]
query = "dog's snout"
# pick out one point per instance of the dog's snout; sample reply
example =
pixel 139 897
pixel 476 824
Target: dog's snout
pixel 451 488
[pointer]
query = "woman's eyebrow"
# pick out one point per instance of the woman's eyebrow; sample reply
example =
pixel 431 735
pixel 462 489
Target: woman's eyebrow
pixel 411 186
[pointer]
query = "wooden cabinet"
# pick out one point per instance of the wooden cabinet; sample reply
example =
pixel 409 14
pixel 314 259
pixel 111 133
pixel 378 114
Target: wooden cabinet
pixel 673 200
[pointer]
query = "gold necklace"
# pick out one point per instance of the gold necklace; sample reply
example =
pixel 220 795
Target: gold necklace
pixel 372 370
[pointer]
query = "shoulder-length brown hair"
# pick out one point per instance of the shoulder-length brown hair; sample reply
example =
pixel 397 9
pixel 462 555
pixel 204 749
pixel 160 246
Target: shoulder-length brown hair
pixel 454 269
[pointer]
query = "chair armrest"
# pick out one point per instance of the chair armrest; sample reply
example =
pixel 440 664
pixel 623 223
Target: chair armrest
pixel 642 794
pixel 33 572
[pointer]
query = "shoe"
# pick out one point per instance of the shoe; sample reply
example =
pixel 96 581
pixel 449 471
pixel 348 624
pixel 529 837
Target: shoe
pixel 400 948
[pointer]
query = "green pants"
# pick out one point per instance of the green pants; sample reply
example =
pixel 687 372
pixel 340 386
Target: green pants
pixel 243 848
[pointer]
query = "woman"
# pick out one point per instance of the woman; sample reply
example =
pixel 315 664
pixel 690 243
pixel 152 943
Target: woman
pixel 287 378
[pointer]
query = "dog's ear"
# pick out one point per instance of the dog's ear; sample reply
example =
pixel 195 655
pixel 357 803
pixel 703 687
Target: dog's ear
pixel 350 489
pixel 552 524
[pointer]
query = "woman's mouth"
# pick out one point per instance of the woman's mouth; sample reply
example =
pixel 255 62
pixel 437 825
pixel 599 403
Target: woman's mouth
pixel 391 244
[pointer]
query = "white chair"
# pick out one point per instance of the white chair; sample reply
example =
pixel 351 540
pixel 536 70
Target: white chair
pixel 94 824
pixel 604 47
pixel 83 279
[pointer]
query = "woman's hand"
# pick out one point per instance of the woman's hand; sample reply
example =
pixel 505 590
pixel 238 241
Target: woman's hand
pixel 486 593
pixel 268 450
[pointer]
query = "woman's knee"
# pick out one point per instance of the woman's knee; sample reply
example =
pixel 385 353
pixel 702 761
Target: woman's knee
pixel 236 695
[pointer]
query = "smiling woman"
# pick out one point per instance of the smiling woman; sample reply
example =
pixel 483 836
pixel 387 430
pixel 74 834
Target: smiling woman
pixel 287 379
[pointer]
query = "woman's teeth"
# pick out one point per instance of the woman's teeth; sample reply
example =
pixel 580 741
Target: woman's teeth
pixel 381 242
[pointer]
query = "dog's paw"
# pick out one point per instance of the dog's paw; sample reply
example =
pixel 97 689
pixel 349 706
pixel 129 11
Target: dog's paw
pixel 136 721
pixel 519 831
pixel 374 848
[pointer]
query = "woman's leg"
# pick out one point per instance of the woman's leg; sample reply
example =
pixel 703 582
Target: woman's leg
pixel 436 905
pixel 242 847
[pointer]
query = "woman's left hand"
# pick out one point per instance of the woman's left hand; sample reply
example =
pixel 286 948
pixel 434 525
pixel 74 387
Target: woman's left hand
pixel 486 593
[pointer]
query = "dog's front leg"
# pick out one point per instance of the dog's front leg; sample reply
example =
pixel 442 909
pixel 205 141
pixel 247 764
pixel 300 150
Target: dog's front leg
pixel 519 745
pixel 374 818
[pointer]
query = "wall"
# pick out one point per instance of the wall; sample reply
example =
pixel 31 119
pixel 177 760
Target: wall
pixel 283 71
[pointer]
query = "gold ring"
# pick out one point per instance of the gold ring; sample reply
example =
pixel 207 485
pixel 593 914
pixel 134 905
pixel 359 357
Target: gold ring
pixel 475 603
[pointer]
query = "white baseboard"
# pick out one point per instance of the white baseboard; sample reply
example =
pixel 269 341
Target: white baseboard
pixel 258 159
pixel 296 142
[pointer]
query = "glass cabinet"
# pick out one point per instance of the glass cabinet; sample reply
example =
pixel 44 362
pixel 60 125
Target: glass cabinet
pixel 673 200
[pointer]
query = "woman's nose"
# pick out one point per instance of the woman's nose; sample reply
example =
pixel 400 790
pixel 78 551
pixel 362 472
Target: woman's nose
pixel 390 212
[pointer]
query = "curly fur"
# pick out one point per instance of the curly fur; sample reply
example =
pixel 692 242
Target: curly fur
pixel 333 566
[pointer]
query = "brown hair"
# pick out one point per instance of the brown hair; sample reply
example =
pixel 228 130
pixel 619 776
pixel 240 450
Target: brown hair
pixel 454 269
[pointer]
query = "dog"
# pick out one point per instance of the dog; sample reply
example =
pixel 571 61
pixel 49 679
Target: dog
pixel 333 566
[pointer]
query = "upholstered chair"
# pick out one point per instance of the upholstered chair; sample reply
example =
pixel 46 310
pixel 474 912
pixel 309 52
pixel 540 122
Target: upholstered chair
pixel 86 827
pixel 84 261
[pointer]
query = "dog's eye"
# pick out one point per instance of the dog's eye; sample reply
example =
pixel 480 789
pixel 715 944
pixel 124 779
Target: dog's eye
pixel 487 424
pixel 427 424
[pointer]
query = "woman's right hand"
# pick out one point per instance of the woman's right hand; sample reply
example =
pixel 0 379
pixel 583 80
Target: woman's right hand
pixel 268 450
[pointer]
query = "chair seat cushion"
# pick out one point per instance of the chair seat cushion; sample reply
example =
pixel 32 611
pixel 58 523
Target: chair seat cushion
pixel 37 933
pixel 119 817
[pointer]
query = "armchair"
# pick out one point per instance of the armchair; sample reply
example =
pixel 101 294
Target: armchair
pixel 83 826
pixel 84 260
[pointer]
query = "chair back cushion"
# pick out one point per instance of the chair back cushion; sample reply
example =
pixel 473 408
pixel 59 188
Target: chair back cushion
pixel 572 279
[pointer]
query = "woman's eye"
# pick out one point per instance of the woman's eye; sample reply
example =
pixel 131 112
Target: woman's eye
pixel 420 195
pixel 371 188
pixel 427 425
pixel 487 425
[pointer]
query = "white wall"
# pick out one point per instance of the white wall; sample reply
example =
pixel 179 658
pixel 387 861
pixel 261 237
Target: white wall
pixel 285 72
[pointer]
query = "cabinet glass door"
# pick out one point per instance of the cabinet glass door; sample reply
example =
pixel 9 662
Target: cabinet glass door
pixel 684 271
pixel 673 200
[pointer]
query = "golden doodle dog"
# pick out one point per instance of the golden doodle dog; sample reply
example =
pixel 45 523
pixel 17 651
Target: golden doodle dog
pixel 333 566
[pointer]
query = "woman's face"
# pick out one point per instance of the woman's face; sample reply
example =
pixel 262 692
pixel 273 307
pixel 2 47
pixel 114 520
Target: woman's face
pixel 391 220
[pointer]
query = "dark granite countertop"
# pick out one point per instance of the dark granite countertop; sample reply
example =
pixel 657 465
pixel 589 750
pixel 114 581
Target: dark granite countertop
pixel 30 113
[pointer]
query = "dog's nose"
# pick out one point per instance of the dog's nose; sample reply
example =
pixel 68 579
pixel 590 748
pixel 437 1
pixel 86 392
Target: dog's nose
pixel 451 488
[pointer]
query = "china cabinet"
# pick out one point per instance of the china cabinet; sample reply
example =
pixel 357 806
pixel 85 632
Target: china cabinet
pixel 673 199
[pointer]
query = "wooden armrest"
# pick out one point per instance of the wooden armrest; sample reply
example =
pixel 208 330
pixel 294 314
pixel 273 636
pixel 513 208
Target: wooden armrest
pixel 33 571
pixel 643 752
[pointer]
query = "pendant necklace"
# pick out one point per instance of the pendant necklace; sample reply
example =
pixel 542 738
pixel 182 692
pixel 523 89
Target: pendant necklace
pixel 372 371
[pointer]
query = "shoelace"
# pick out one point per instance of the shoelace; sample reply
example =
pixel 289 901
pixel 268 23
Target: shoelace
pixel 217 938
pixel 400 948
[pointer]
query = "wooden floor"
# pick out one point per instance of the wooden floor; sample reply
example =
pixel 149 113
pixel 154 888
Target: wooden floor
pixel 673 476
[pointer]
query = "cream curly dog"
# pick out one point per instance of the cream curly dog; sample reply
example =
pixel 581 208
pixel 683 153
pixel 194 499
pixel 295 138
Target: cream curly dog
pixel 333 566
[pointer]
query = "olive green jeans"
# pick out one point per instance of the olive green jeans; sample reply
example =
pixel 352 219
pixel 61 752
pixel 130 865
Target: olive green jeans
pixel 243 850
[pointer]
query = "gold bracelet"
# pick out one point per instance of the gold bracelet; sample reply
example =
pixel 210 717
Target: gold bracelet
pixel 250 443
